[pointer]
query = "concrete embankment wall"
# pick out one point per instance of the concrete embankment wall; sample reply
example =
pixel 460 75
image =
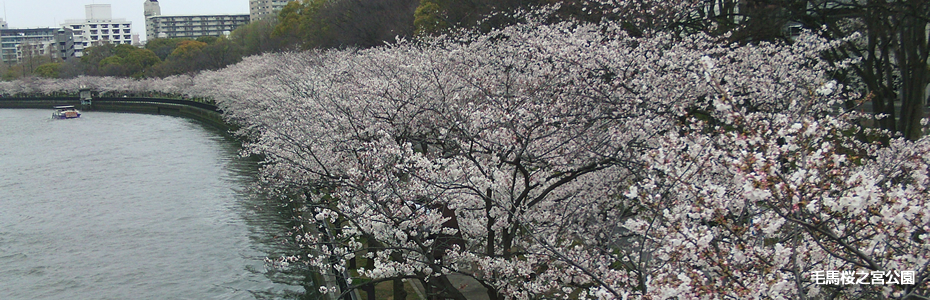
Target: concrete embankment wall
pixel 206 113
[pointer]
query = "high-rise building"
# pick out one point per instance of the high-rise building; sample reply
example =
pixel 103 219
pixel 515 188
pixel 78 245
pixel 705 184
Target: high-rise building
pixel 264 9
pixel 98 27
pixel 150 9
pixel 159 26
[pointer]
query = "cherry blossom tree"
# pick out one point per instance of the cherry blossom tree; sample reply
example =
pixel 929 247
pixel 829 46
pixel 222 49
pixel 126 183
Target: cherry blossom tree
pixel 577 160
pixel 573 160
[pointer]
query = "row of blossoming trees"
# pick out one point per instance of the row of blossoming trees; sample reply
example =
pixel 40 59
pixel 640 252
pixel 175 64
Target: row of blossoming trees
pixel 173 86
pixel 573 160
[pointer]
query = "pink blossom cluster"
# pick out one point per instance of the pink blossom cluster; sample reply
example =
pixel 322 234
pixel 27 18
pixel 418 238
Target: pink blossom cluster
pixel 178 85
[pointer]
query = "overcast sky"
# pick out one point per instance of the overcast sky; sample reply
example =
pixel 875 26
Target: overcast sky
pixel 51 13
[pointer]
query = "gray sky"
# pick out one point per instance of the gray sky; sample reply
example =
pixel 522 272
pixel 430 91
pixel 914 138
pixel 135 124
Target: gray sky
pixel 51 13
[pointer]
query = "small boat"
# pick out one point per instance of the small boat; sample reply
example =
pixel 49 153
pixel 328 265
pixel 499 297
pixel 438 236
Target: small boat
pixel 65 112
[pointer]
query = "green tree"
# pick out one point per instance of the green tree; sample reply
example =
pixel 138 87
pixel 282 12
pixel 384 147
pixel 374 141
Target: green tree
pixel 187 50
pixel 123 50
pixel 93 56
pixel 138 62
pixel 301 24
pixel 368 23
pixel 10 74
pixel 119 60
pixel 71 68
pixel 429 18
pixel 163 47
pixel 209 40
pixel 345 23
pixel 111 65
pixel 187 57
pixel 256 37
pixel 221 53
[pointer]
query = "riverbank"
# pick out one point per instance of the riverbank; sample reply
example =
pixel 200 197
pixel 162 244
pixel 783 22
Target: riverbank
pixel 207 113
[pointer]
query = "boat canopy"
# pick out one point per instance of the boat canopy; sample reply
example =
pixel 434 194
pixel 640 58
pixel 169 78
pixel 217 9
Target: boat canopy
pixel 64 107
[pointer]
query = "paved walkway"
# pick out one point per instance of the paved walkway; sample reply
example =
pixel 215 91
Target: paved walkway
pixel 469 287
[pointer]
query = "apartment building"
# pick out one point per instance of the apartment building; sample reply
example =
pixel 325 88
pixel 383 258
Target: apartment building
pixel 265 9
pixel 16 45
pixel 159 26
pixel 98 27
pixel 194 26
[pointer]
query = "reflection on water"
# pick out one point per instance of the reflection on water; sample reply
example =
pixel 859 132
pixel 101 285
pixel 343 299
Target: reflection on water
pixel 129 206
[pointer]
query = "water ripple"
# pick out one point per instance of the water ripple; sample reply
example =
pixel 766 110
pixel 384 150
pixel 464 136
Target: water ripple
pixel 126 206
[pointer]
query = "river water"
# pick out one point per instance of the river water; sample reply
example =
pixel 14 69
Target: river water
pixel 129 206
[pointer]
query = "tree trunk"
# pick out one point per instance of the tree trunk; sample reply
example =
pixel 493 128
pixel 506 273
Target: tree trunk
pixel 369 288
pixel 489 250
pixel 442 288
pixel 912 59
pixel 399 292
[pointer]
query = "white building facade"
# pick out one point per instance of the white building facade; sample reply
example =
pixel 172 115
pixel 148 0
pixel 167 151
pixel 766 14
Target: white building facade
pixel 99 27
pixel 265 9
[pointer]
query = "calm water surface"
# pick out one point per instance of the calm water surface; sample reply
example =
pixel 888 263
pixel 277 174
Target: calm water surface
pixel 128 206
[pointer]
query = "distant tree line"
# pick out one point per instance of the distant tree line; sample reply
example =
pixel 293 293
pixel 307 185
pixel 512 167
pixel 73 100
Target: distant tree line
pixel 160 57
pixel 302 24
